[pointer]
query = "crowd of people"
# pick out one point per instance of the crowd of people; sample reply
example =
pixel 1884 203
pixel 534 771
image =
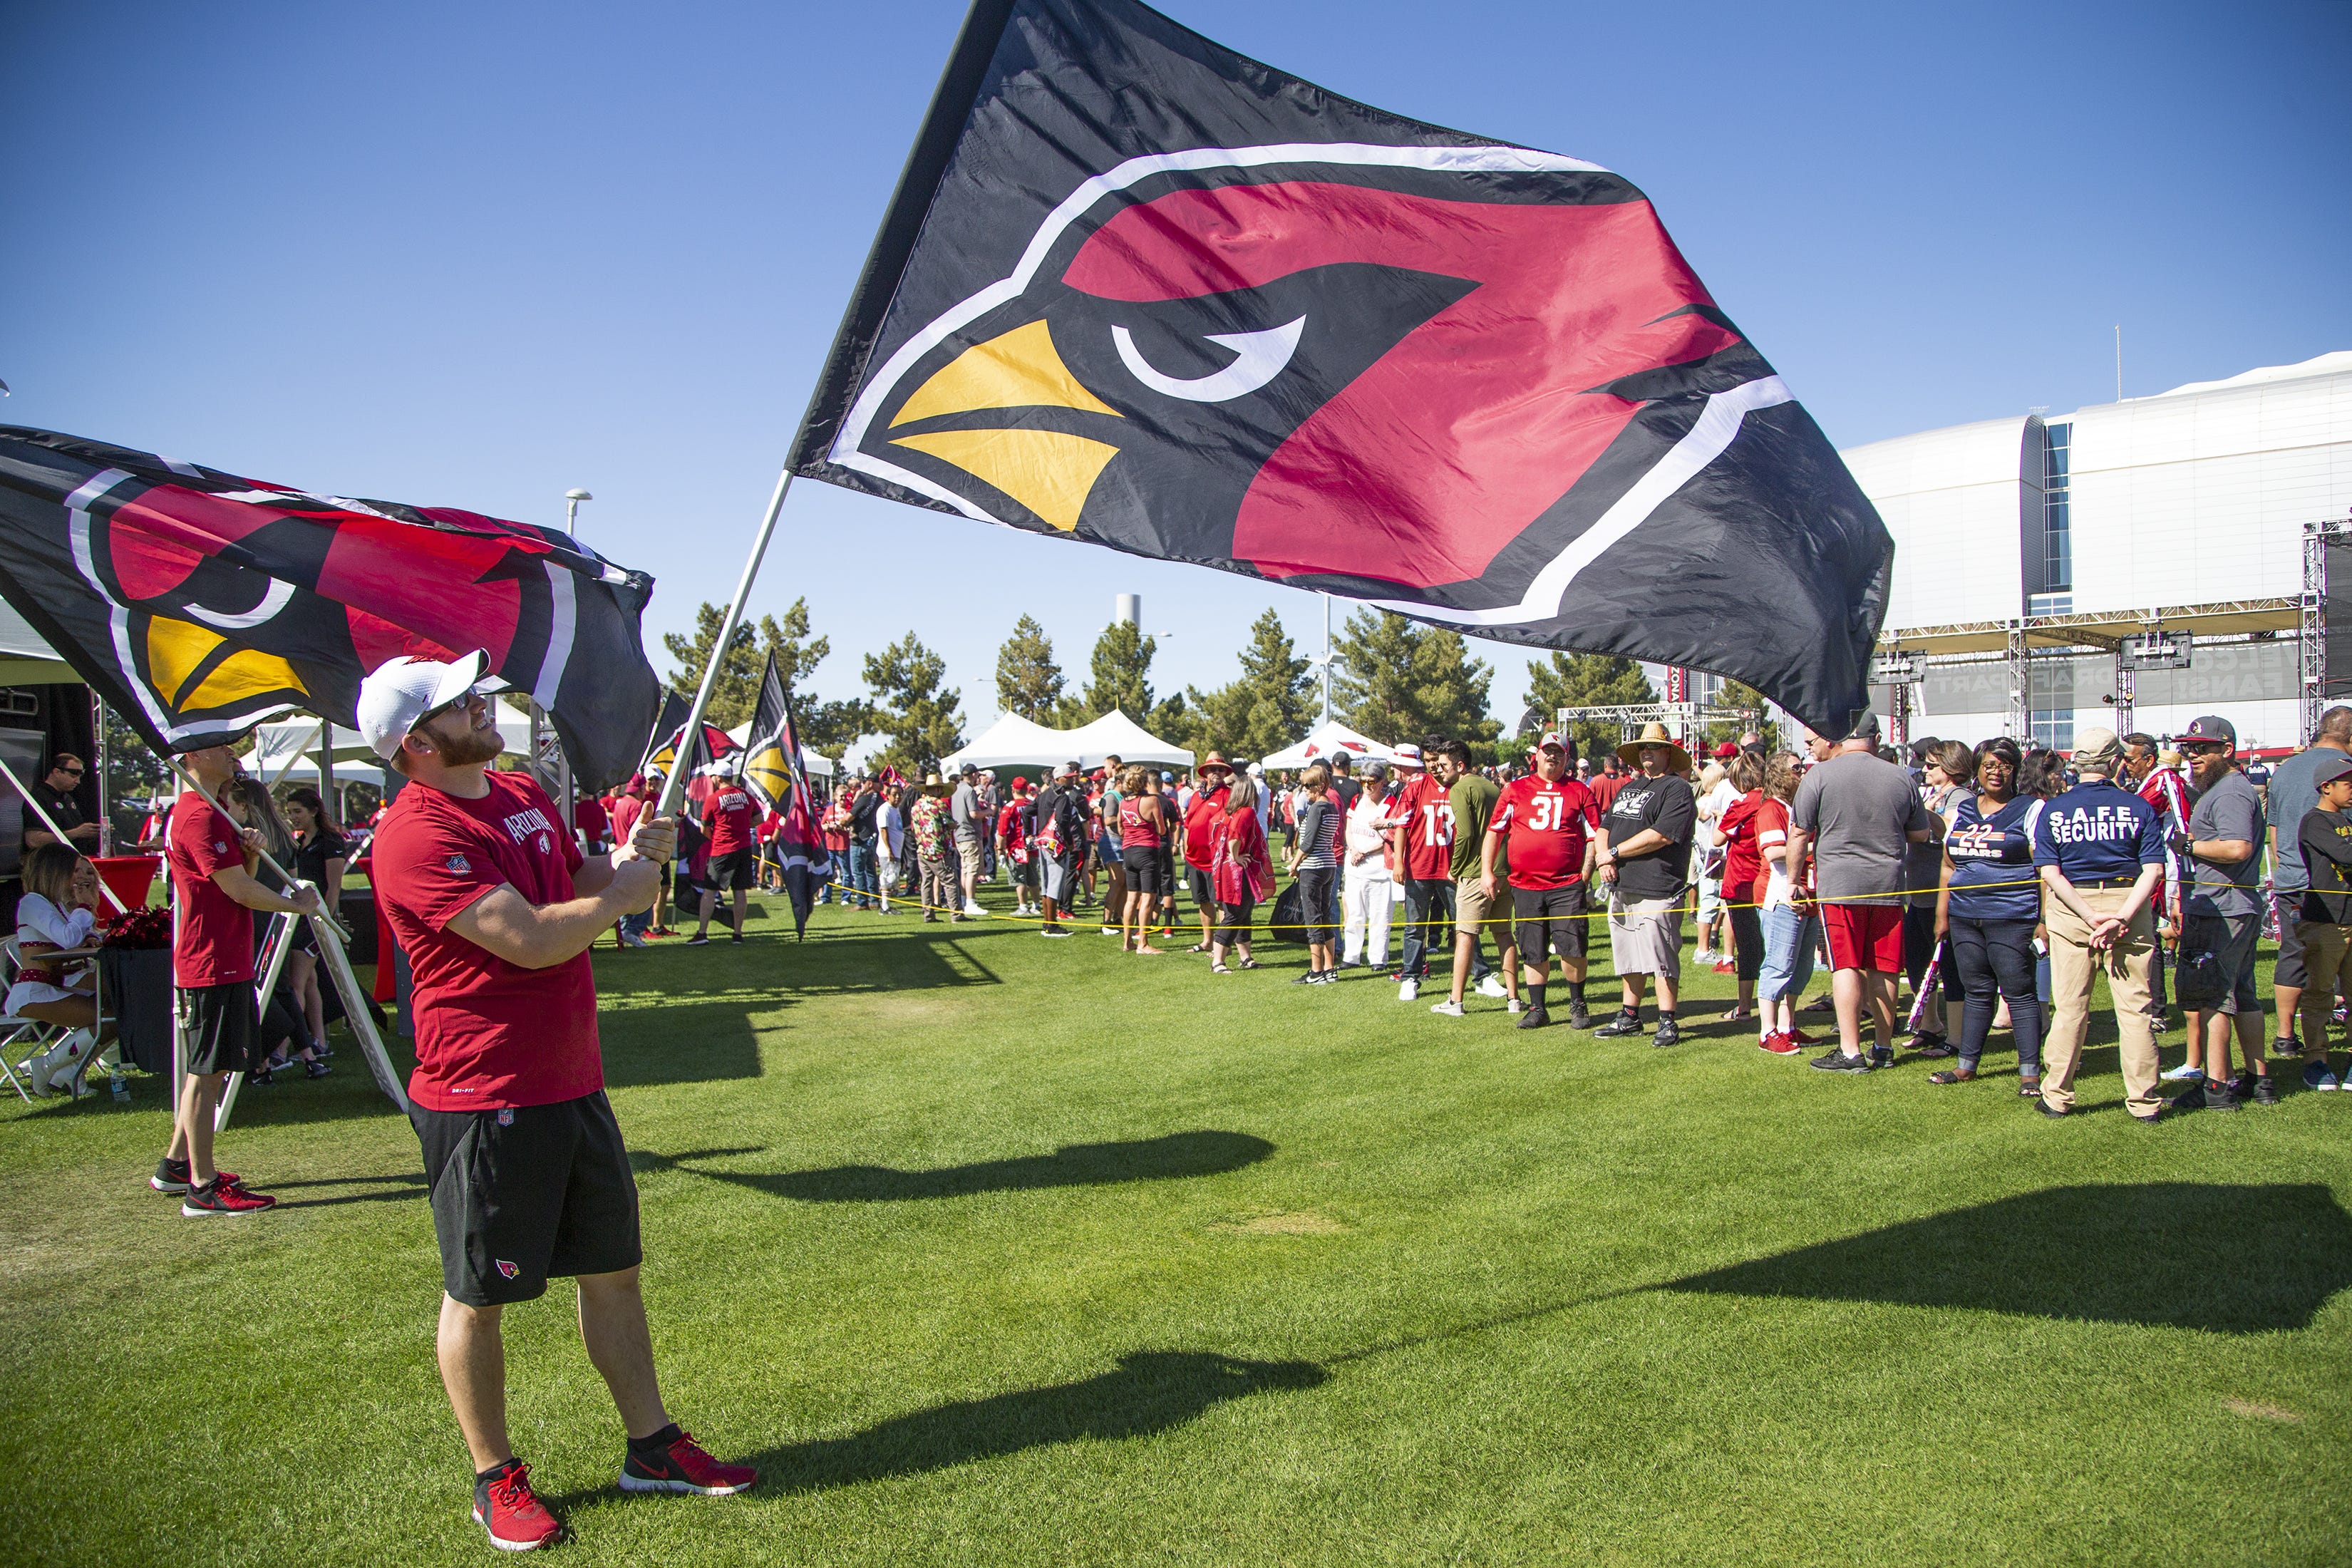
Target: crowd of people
pixel 1990 884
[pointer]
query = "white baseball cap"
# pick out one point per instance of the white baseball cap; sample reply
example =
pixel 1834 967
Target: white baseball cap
pixel 1408 756
pixel 398 694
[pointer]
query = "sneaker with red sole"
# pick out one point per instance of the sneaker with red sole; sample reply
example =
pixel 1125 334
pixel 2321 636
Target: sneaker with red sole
pixel 172 1176
pixel 224 1197
pixel 682 1466
pixel 1727 966
pixel 505 1505
pixel 1779 1043
pixel 1802 1039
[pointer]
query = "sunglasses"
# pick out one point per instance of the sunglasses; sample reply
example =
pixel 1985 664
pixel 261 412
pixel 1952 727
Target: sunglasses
pixel 2204 748
pixel 74 772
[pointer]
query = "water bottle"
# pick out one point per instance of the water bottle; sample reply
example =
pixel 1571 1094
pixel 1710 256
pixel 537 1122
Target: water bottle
pixel 121 1089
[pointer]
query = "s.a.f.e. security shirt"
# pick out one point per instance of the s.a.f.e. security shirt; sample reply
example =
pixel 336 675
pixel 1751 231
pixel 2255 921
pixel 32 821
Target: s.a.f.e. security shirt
pixel 2098 832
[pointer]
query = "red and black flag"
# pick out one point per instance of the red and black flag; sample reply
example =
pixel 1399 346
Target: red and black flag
pixel 1137 290
pixel 772 771
pixel 198 603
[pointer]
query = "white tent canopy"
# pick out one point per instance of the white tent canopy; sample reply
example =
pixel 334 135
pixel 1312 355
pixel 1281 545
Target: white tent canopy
pixel 818 767
pixel 1332 736
pixel 1116 734
pixel 1014 741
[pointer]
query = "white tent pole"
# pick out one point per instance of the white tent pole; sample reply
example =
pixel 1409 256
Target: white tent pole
pixel 280 942
pixel 58 833
pixel 672 786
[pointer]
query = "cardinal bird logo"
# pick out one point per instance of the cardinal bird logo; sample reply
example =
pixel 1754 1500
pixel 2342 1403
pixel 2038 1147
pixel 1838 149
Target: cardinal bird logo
pixel 1366 375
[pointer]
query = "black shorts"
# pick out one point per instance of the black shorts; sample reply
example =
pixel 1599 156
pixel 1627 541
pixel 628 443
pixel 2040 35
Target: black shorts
pixel 522 1196
pixel 738 869
pixel 1204 887
pixel 2290 970
pixel 1550 919
pixel 221 1027
pixel 1143 863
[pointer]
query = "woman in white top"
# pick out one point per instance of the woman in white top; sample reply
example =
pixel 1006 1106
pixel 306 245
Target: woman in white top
pixel 1367 891
pixel 54 916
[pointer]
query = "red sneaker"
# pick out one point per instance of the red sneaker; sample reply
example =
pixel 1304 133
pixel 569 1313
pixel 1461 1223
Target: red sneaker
pixel 224 1197
pixel 1727 966
pixel 1780 1043
pixel 172 1176
pixel 507 1507
pixel 1802 1039
pixel 683 1466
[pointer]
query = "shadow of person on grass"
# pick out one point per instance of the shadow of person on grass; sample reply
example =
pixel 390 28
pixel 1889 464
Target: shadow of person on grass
pixel 1176 1154
pixel 1148 1391
pixel 2226 1259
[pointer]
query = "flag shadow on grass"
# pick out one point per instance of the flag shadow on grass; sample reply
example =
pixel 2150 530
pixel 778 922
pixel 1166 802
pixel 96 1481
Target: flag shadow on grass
pixel 2224 1258
pixel 918 960
pixel 1177 1155
pixel 690 1042
pixel 1149 1391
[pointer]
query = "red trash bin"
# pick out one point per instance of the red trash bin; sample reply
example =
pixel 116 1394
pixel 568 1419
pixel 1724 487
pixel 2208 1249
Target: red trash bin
pixel 130 876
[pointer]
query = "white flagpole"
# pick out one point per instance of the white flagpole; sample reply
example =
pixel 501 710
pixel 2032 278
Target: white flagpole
pixel 674 785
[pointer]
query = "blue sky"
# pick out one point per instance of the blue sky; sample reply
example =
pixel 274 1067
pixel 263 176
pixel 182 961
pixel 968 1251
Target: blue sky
pixel 474 255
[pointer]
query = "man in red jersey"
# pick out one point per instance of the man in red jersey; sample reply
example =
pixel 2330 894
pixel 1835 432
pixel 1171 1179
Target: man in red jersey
pixel 1543 828
pixel 1202 815
pixel 727 812
pixel 496 908
pixel 211 966
pixel 1424 831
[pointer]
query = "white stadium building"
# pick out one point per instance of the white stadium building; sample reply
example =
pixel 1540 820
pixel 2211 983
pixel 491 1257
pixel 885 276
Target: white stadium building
pixel 2029 549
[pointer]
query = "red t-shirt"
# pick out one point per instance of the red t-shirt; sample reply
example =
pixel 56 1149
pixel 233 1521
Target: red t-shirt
pixel 1742 860
pixel 1604 787
pixel 1545 828
pixel 588 815
pixel 1201 827
pixel 1428 818
pixel 727 817
pixel 1771 833
pixel 626 812
pixel 213 941
pixel 489 1035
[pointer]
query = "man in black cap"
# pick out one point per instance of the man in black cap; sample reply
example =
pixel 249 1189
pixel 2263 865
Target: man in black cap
pixel 2324 913
pixel 2221 918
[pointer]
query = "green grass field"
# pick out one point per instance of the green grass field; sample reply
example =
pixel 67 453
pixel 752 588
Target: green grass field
pixel 994 1250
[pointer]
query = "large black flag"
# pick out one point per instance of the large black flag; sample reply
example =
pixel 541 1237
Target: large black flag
pixel 198 603
pixel 772 771
pixel 1138 289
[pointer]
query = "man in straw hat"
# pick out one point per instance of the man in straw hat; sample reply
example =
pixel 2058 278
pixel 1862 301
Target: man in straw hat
pixel 2100 854
pixel 1643 853
pixel 932 824
pixel 1214 785
pixel 1858 814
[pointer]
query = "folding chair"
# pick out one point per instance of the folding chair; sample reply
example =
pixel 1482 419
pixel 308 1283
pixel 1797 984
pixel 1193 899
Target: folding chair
pixel 17 1033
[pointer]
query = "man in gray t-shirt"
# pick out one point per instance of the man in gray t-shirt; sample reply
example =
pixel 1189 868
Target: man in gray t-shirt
pixel 1858 815
pixel 2294 789
pixel 967 810
pixel 2222 910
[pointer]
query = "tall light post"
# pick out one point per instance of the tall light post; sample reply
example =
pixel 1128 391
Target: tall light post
pixel 572 499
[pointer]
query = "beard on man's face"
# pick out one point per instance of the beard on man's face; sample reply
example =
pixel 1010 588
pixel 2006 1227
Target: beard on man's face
pixel 459 744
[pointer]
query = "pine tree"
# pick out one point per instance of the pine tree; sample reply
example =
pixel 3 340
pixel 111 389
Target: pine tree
pixel 1587 680
pixel 1737 694
pixel 825 727
pixel 1028 681
pixel 1398 681
pixel 921 720
pixel 1121 668
pixel 1269 708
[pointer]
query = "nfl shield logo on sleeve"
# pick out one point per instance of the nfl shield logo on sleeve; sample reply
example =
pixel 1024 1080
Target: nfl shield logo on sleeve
pixel 458 864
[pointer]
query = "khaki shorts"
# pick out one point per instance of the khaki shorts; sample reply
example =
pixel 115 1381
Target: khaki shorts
pixel 1476 914
pixel 1646 938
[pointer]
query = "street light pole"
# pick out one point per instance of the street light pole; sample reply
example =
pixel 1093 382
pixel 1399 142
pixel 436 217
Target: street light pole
pixel 572 499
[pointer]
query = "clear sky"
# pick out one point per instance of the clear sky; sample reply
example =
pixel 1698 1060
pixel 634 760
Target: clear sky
pixel 474 255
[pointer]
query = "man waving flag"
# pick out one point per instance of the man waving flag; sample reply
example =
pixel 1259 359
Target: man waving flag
pixel 772 771
pixel 198 603
pixel 1137 290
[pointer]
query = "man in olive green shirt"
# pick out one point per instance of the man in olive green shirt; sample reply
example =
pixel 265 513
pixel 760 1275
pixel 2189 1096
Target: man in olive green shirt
pixel 1473 796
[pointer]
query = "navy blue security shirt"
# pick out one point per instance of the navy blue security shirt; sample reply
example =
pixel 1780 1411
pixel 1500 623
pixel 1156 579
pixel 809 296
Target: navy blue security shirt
pixel 2098 832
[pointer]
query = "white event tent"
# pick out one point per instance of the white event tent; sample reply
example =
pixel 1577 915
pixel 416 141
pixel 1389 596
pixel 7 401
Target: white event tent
pixel 289 748
pixel 1117 735
pixel 1330 737
pixel 1014 741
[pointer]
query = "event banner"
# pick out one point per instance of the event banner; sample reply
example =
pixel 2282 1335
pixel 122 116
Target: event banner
pixel 1137 290
pixel 199 604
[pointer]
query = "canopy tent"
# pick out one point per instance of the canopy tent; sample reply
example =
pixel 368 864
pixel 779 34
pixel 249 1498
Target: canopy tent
pixel 1014 741
pixel 293 744
pixel 818 767
pixel 25 658
pixel 1332 736
pixel 1116 734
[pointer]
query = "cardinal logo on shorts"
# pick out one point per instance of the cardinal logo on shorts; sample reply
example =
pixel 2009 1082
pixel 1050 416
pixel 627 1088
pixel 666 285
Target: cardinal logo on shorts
pixel 458 864
pixel 508 1269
